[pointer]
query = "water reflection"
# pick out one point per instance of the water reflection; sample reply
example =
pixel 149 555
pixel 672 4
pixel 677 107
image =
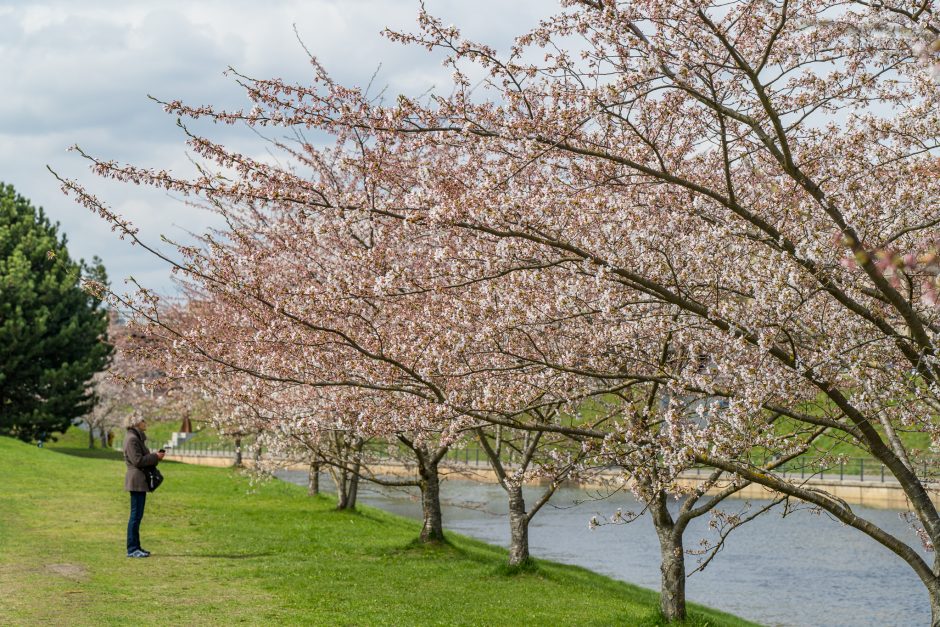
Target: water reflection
pixel 804 569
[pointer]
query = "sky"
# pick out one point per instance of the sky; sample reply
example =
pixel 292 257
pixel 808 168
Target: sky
pixel 79 73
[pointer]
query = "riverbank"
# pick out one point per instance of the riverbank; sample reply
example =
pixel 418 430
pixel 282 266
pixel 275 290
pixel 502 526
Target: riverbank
pixel 883 493
pixel 801 569
pixel 227 551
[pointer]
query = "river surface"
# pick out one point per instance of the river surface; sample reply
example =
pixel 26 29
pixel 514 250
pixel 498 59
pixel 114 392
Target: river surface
pixel 802 569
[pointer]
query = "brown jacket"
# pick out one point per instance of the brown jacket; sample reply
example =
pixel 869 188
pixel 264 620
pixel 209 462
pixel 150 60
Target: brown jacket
pixel 137 456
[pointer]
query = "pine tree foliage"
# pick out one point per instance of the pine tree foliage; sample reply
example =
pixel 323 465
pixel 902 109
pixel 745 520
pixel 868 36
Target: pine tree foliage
pixel 53 335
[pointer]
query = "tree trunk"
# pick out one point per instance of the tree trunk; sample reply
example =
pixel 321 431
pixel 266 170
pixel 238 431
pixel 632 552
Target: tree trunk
pixel 934 592
pixel 346 477
pixel 91 437
pixel 238 452
pixel 672 597
pixel 103 435
pixel 342 491
pixel 341 479
pixel 518 527
pixel 433 528
pixel 672 566
pixel 353 493
pixel 313 479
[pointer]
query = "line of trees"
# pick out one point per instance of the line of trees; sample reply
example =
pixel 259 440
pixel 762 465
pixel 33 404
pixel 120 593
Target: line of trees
pixel 650 236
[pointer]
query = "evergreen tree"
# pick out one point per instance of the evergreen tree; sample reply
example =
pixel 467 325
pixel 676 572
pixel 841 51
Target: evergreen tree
pixel 53 335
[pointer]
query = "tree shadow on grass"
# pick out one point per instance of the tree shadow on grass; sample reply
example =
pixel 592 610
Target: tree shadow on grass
pixel 505 569
pixel 369 514
pixel 434 550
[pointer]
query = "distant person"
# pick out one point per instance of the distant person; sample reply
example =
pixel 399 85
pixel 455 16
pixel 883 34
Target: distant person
pixel 42 438
pixel 137 456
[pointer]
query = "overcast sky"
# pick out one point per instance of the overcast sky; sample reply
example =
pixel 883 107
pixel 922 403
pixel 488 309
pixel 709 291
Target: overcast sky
pixel 80 72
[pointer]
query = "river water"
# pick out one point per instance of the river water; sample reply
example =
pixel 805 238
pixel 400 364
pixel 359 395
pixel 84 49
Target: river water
pixel 802 569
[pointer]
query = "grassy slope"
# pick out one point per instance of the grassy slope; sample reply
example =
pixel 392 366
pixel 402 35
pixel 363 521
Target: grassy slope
pixel 226 553
pixel 158 433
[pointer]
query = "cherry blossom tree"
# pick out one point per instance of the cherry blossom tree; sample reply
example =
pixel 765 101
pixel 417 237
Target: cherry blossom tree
pixel 679 199
pixel 689 153
pixel 536 457
pixel 232 334
pixel 125 386
pixel 113 395
pixel 236 351
pixel 108 412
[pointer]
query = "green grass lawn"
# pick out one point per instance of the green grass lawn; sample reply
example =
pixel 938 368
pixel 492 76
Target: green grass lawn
pixel 158 434
pixel 229 552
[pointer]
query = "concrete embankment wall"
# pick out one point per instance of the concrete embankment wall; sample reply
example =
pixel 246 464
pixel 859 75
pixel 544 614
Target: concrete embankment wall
pixel 876 494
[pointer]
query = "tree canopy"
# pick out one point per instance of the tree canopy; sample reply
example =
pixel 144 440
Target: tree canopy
pixel 53 335
pixel 675 233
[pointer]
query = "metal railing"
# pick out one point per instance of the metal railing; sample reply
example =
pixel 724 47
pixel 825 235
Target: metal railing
pixel 194 449
pixel 844 469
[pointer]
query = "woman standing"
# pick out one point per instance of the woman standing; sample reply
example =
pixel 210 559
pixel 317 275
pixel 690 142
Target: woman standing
pixel 137 456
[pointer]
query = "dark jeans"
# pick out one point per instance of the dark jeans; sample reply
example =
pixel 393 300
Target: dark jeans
pixel 138 500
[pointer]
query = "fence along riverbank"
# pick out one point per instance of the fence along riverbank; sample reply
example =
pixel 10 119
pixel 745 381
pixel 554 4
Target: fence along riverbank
pixel 858 481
